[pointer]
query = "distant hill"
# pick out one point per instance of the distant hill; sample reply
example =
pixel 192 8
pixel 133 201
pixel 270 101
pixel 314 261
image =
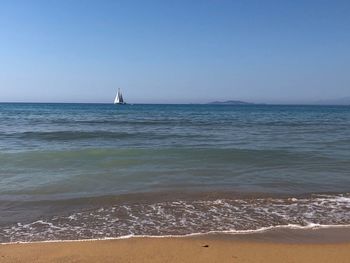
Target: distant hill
pixel 230 102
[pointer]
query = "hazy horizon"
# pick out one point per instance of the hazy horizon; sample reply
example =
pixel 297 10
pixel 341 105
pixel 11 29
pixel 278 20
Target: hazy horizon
pixel 290 52
pixel 337 101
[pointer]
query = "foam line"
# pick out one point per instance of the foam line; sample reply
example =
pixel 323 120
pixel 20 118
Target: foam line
pixel 232 232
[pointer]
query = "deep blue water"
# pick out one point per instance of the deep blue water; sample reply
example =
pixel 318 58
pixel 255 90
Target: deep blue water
pixel 59 158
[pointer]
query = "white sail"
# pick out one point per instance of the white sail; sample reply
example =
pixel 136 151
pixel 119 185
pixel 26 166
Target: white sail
pixel 119 98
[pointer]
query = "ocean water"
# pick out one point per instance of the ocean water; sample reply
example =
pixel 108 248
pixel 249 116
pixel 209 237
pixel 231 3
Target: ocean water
pixel 81 171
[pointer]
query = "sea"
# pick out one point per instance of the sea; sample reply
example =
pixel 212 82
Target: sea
pixel 98 171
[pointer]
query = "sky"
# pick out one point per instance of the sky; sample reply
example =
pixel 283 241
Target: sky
pixel 187 51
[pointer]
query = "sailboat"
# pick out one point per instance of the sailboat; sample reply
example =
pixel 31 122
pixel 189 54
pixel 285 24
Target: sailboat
pixel 119 98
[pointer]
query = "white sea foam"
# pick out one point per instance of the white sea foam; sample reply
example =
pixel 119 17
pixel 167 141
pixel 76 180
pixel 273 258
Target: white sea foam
pixel 237 232
pixel 182 218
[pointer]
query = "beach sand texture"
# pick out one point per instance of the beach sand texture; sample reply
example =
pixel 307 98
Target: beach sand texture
pixel 174 250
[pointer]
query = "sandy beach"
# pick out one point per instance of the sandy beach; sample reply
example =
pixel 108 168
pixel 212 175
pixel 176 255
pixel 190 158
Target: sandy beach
pixel 194 249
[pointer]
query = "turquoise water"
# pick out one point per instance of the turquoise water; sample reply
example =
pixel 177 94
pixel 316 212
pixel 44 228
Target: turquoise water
pixel 59 163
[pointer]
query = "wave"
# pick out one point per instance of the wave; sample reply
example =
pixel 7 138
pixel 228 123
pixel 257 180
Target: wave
pixel 203 152
pixel 141 122
pixel 104 135
pixel 179 218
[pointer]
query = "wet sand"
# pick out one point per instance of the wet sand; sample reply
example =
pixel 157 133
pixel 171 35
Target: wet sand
pixel 276 246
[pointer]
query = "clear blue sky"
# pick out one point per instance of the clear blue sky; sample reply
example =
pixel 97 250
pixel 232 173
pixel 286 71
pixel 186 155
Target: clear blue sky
pixel 174 51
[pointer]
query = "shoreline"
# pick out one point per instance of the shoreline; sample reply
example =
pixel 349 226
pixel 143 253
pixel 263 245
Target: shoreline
pixel 274 246
pixel 331 234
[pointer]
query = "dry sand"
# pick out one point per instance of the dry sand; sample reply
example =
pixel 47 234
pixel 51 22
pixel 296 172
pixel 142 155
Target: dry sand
pixel 163 250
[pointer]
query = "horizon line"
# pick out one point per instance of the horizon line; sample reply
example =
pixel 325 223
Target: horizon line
pixel 188 103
